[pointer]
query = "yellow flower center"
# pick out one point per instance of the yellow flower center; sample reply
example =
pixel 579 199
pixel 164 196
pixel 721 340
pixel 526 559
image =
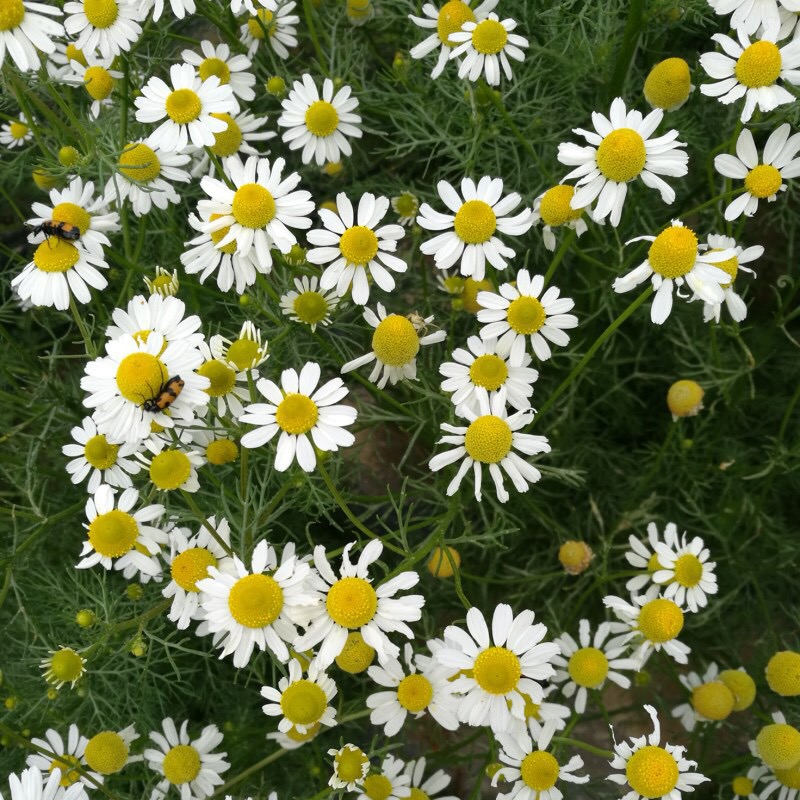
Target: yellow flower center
pixel 497 670
pixel 218 236
pixel 44 180
pixel 575 556
pixel 652 772
pixel 377 787
pixel 297 414
pixel 255 601
pixel 296 736
pixel 668 84
pixel 98 83
pixel 660 620
pixel 253 206
pixel 531 709
pixel 227 142
pixel 539 770
pixel 358 245
pixel 489 37
pixel 414 693
pixel 55 255
pixel 244 353
pixel 475 222
pixel 181 764
pixel 311 307
pixel 452 16
pixel 713 700
pixel 18 130
pixel 783 673
pixel 418 794
pixel 685 398
pixel 489 371
pixel 74 215
pixel 688 570
pixel 779 745
pixel 742 686
pixel 488 439
pixel 183 106
pixel 214 66
pixel 170 469
pixel 222 451
pixel 139 163
pixel 99 453
pixel 12 12
pixel 526 315
pixel 321 118
pixel 395 341
pixel 406 205
pixel 674 252
pixel 140 377
pixel 75 54
pixel 191 566
pixel 101 13
pixel 66 665
pixel 469 294
pixel 351 602
pixel 730 265
pixel 621 155
pixel 222 377
pixel 356 656
pixel 113 534
pixel 106 753
pixel 303 702
pixel 588 667
pixel 789 777
pixel 262 20
pixel 763 181
pixel 68 774
pixel 742 786
pixel 349 763
pixel 759 65
pixel 439 564
pixel 554 206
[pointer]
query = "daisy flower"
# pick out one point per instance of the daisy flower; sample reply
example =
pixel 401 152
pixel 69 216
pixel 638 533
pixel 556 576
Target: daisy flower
pixel 23 31
pixel 485 47
pixel 469 237
pixel 228 387
pixel 685 572
pixel 180 8
pixel 491 438
pixel 308 305
pixel 188 105
pixel 554 210
pixel 32 785
pixel 619 151
pixel 320 125
pixel 752 71
pixel 644 557
pixel 356 247
pixel 174 468
pixel 93 455
pixel 762 180
pixel 291 740
pixel 496 670
pixel 188 765
pixel 58 61
pixel 16 133
pixel 231 70
pixel 246 352
pixel 237 139
pixel 165 283
pixel 110 26
pixel 484 365
pixel 156 314
pixel 350 767
pixel 389 783
pixel 108 752
pixel 97 79
pixel 427 690
pixel 297 409
pixel 735 305
pixel 63 666
pixel 353 604
pixel 653 771
pixel 406 206
pixel 446 20
pixel 275 24
pixel 533 770
pixel 395 345
pixel 786 782
pixel 431 787
pixel 748 16
pixel 300 702
pixel 70 753
pixel 588 665
pixel 538 715
pixel 707 694
pixel 245 609
pixel 517 312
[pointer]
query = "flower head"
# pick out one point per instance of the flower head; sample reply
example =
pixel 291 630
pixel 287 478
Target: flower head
pixel 301 703
pixel 485 47
pixel 309 305
pixel 24 31
pixel 110 26
pixel 554 209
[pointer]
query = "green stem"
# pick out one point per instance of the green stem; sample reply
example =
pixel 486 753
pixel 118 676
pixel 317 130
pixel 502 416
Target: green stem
pixel 87 339
pixel 204 521
pixel 787 415
pixel 308 12
pixel 713 201
pixel 559 256
pixel 590 748
pixel 135 622
pixel 223 176
pixel 630 41
pixel 225 788
pixel 518 135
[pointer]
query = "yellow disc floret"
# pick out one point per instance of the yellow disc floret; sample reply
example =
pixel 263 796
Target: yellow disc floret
pixel 539 770
pixel 18 130
pixel 660 620
pixel 140 376
pixel 377 787
pixel 652 772
pixel 439 563
pixel 12 12
pixel 674 252
pixel 489 371
pixel 685 398
pixel 790 778
pixel 297 414
pixel 69 774
pixel 452 16
pixel 222 377
pixel 356 656
pixel 303 702
pixel 253 206
pixel 414 693
pixel 730 265
pixel 588 667
pixel 469 294
pixel 779 745
pixel 489 37
pixel 783 673
pixel 322 118
pixel 554 207
pixel 255 601
pixel 742 686
pixel 475 222
pixel 181 764
pixel 257 24
pixel 351 602
pixel 218 235
pixel 191 566
pixel 526 315
pixel 621 155
pixel 742 785
pixel 170 469
pixel 759 65
pixel 106 753
pixel 183 106
pixel 688 570
pixel 350 763
pixel 139 163
pixel 101 13
pixel 113 534
pixel 99 453
pixel 227 142
pixel 763 181
pixel 497 670
pixel 575 557
pixel 244 353
pixel 55 255
pixel 75 54
pixel 222 451
pixel 214 66
pixel 713 700
pixel 668 84
pixel 395 341
pixel 358 245
pixel 310 307
pixel 66 666
pixel 98 82
pixel 488 439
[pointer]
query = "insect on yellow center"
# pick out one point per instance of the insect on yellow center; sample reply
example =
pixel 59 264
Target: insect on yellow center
pixel 12 12
pixel 351 602
pixel 349 763
pixel 98 82
pixel 260 23
pixel 475 222
pixel 297 414
pixel 106 753
pixel 688 570
pixel 660 620
pixel 303 703
pixel 489 37
pixel 526 315
pixel 395 341
pixel 377 787
pixel 253 206
pixel 554 207
pixel 488 439
pixel 244 353
pixel 588 667
pixel 779 745
pixel 452 16
pixel 222 377
pixel 414 693
pixel 214 66
pixel 66 665
pixel 497 670
pixel 69 774
pixel 713 700
pixel 191 566
pixel 74 215
pixel 652 772
pixel 140 377
pixel 321 118
pixel 222 451
pixel 139 163
pixel 356 656
pixel 489 371
pixel 55 255
pixel 310 307
pixel 621 155
pixel 101 13
pixel 113 534
pixel 763 181
pixel 759 65
pixel 18 130
pixel 358 245
pixel 673 253
pixel 255 601
pixel 99 453
pixel 181 764
pixel 539 770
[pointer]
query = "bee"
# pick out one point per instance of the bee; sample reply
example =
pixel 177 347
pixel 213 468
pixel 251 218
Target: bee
pixel 166 396
pixel 419 323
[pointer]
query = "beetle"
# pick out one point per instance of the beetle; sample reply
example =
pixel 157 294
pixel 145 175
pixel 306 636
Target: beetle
pixel 58 228
pixel 166 396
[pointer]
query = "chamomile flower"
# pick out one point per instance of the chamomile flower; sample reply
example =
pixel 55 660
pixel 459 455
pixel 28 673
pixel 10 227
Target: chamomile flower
pixel 685 572
pixel 446 20
pixel 241 133
pixel 538 715
pixel 165 283
pixel 274 24
pixel 747 16
pixel 620 150
pixel 389 783
pixel 231 70
pixel 516 312
pixel 673 260
pixel 180 8
pixel 406 206
pixel 97 78
pixel 430 788
pixel 246 352
pixel 174 468
pixel 469 232
pixel 16 133
pixel 644 557
pixel 188 105
pixel 786 782
pixel 484 365
pixel 70 754
pixel 395 345
pixel 496 670
pixel 292 739
pixel 188 765
pixel 110 26
pixel 491 438
pixel 707 694
pixel 253 609
pixel 653 771
pixel 554 210
pixel 588 665
pixel 63 666
pixel 762 179
pixel 486 47
pixel 108 752
pixel 23 31
pixel 320 125
pixel 309 305
pixel 32 785
pixel 156 314
pixel 751 70
pixel 228 386
pixel 58 61
pixel 735 305
pixel 93 455
pixel 350 767
pixel 300 702
pixel 351 603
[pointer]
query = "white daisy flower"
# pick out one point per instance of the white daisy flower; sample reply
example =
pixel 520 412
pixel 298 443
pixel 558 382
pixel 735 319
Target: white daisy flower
pixel 108 752
pixel 180 8
pixel 735 305
pixel 188 106
pixel 707 693
pixel 16 133
pixel 486 47
pixel 673 259
pixel 469 236
pixel 73 784
pixel 300 702
pixel 352 604
pixel 229 387
pixel 24 30
pixel 231 70
pixel 165 283
pixel 174 468
pixel 97 78
pixel 427 690
pixel 246 610
pixel 653 771
pixel 491 438
pixel 291 740
pixel 554 210
pixel 620 151
pixel 63 666
pixel 685 572
pixel 431 787
pixel 356 246
pixel 298 410
pixel 395 345
pixel 188 765
pixel 406 206
pixel 748 16
pixel 752 71
pixel 539 715
pixel 31 784
pixel 93 455
pixel 762 180
pixel 786 782
pixel 237 139
pixel 246 352
pixel 274 24
pixel 496 670
pixel 446 20
pixel 58 62
pixel 350 767
pixel 320 125
pixel 516 312
pixel 308 305
pixel 156 314
pixel 110 26
pixel 390 783
pixel 640 556
pixel 588 665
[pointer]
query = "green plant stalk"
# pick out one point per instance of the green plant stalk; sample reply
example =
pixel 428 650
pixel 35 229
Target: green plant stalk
pixel 88 344
pixel 559 255
pixel 308 12
pixel 590 748
pixel 630 41
pixel 204 521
